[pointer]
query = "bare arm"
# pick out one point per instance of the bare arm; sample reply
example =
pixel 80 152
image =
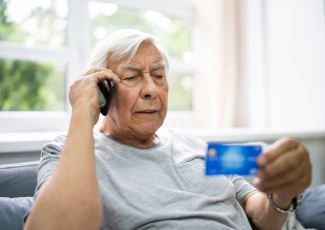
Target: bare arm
pixel 70 199
pixel 261 214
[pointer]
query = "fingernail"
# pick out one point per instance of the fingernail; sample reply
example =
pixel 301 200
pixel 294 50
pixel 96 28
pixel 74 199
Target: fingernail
pixel 262 160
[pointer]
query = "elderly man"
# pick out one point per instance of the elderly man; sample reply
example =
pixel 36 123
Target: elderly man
pixel 125 176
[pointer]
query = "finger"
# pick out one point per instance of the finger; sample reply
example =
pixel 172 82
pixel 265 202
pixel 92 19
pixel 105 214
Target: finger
pixel 101 69
pixel 104 75
pixel 283 163
pixel 289 177
pixel 295 187
pixel 96 69
pixel 277 148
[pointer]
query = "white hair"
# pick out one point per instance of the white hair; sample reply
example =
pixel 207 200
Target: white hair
pixel 123 44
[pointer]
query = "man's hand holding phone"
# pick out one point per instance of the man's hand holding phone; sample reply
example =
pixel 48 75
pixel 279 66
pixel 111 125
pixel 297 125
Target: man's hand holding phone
pixel 83 94
pixel 73 184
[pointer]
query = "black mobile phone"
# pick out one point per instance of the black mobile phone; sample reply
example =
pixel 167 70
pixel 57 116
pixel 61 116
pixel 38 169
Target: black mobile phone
pixel 105 94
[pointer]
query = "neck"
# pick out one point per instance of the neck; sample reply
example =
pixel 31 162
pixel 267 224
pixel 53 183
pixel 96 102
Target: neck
pixel 129 138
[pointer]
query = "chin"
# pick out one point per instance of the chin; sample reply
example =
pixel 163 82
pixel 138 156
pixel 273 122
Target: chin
pixel 148 128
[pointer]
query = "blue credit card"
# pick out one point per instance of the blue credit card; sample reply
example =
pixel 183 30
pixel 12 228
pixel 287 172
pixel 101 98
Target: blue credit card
pixel 229 159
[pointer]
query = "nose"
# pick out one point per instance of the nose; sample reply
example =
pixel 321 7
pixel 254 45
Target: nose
pixel 149 87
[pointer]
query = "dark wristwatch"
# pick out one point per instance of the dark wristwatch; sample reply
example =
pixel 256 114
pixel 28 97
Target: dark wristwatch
pixel 296 202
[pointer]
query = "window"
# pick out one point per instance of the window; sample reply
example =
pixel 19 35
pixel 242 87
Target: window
pixel 45 46
pixel 28 82
pixel 32 86
pixel 41 22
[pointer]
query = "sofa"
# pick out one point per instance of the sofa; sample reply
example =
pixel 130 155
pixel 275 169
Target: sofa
pixel 18 183
pixel 17 188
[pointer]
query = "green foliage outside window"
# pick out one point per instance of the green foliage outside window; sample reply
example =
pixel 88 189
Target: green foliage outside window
pixel 6 27
pixel 42 25
pixel 173 32
pixel 30 86
pixel 180 92
pixel 27 85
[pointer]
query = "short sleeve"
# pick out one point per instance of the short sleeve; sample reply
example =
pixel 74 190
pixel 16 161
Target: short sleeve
pixel 242 187
pixel 50 155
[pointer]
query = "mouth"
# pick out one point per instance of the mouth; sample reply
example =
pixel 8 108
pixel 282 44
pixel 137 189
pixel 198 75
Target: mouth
pixel 147 111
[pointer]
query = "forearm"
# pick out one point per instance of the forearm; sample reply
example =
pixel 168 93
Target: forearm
pixel 71 199
pixel 262 215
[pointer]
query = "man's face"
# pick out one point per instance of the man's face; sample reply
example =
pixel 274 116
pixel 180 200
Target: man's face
pixel 139 104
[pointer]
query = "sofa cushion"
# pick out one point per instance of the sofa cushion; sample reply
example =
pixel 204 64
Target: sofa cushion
pixel 18 180
pixel 13 210
pixel 312 211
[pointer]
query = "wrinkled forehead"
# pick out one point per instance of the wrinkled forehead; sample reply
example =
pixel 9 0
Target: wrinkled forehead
pixel 145 51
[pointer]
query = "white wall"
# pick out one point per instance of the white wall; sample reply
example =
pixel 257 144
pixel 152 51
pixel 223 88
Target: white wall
pixel 295 63
pixel 252 89
pixel 282 64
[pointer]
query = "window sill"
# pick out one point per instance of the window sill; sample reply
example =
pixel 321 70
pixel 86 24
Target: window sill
pixel 25 141
pixel 33 141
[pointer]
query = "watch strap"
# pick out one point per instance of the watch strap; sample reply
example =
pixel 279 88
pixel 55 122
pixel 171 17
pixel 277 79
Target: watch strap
pixel 296 202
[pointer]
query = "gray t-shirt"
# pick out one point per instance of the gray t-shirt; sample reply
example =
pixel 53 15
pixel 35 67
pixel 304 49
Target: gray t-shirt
pixel 162 187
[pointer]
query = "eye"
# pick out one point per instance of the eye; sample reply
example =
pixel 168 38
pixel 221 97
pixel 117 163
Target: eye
pixel 159 76
pixel 130 78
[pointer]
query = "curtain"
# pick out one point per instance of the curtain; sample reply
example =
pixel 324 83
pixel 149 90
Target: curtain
pixel 217 62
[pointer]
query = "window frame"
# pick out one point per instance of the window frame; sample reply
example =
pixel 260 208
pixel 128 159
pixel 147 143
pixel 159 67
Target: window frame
pixel 75 56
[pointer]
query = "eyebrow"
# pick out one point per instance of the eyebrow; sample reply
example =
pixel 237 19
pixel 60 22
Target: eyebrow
pixel 134 66
pixel 158 65
pixel 131 66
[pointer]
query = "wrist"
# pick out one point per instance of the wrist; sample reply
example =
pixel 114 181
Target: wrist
pixel 81 120
pixel 88 115
pixel 282 201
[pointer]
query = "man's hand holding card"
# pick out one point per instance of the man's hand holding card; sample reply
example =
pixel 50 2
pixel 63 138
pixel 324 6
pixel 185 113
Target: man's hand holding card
pixel 285 168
